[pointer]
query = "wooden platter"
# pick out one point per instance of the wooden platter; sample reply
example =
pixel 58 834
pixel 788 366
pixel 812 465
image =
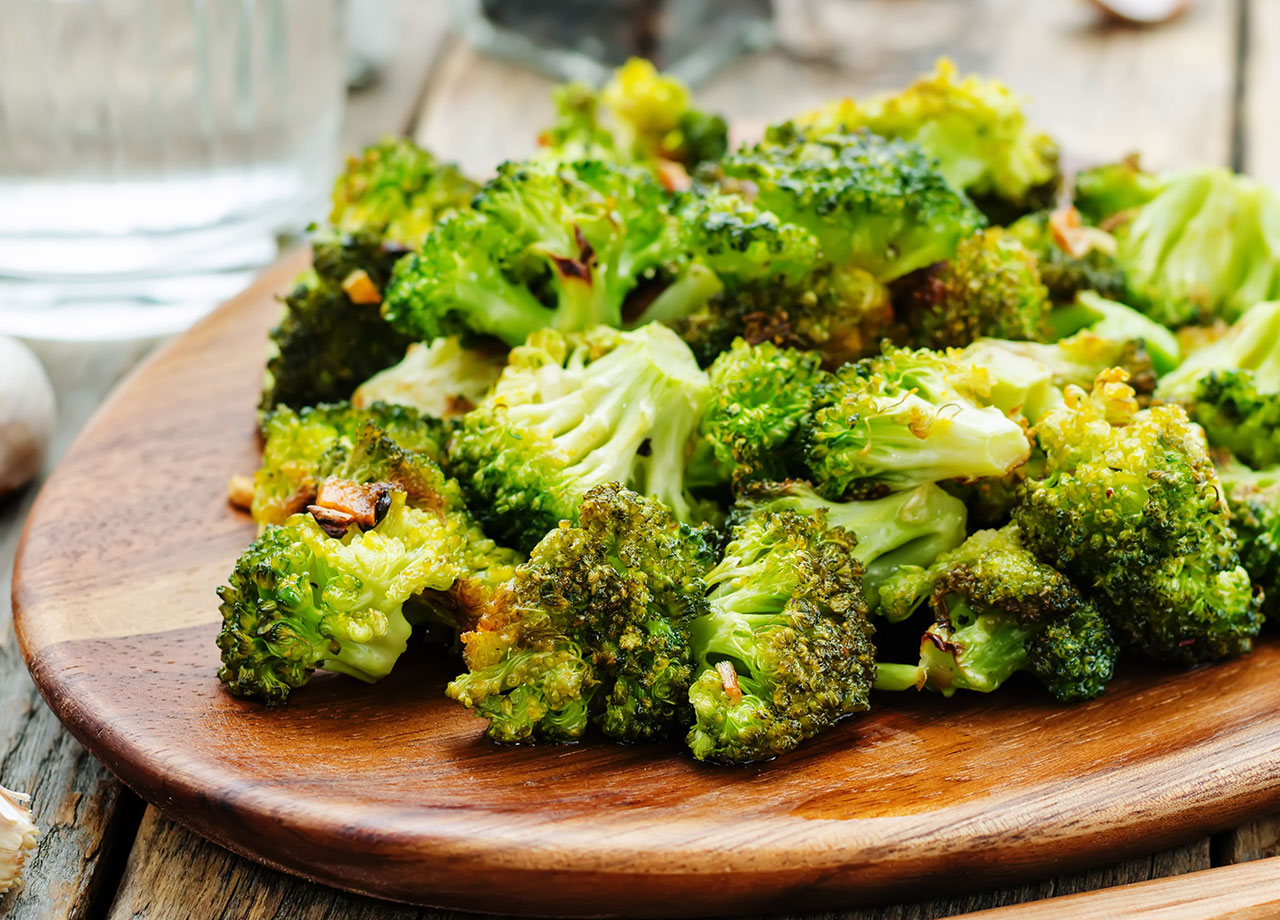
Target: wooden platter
pixel 392 790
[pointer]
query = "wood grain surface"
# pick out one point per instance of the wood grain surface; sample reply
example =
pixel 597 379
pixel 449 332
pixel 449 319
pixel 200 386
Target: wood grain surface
pixel 392 789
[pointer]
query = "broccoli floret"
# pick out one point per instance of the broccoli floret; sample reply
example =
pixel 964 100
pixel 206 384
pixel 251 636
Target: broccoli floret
pixel 760 395
pixel 593 629
pixel 395 190
pixel 299 447
pixel 301 599
pixel 1206 244
pixel 976 129
pixel 906 528
pixel 874 204
pixel 569 414
pixel 1130 508
pixel 1105 191
pixel 1077 360
pixel 331 335
pixel 1232 387
pixel 1071 256
pixel 907 418
pixel 785 650
pixel 639 116
pixel 545 245
pixel 999 610
pixel 990 287
pixel 443 379
pixel 1116 322
pixel 1254 499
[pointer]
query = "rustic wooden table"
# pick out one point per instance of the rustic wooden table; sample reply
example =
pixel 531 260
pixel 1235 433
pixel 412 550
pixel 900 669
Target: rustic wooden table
pixel 1205 89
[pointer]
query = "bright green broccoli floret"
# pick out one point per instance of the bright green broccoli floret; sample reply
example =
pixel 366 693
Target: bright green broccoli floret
pixel 999 610
pixel 296 444
pixel 1232 387
pixel 443 379
pixel 1130 508
pixel 906 418
pixel 975 127
pixel 639 116
pixel 569 414
pixel 545 245
pixel 331 335
pixel 594 628
pixel 1114 188
pixel 873 204
pixel 906 528
pixel 1254 499
pixel 1116 322
pixel 990 287
pixel 397 191
pixel 1205 245
pixel 301 599
pixel 1017 382
pixel 785 650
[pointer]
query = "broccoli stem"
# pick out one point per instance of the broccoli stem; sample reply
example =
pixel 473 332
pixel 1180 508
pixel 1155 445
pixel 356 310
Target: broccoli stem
pixel 683 296
pixel 898 677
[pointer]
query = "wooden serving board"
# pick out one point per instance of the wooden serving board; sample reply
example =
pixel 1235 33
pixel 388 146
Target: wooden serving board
pixel 392 790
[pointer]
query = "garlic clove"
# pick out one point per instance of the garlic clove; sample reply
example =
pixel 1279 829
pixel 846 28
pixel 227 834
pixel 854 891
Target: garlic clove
pixel 27 415
pixel 17 836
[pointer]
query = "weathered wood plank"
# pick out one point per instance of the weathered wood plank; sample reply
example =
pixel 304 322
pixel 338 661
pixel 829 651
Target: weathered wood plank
pixel 1261 102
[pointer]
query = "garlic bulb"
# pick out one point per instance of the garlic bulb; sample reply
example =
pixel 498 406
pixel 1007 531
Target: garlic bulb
pixel 26 415
pixel 17 836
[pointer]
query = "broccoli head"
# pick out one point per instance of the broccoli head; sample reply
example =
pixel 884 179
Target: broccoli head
pixel 975 127
pixel 571 413
pixel 990 287
pixel 395 190
pixel 1103 192
pixel 785 650
pixel 443 379
pixel 556 245
pixel 1232 387
pixel 1129 506
pixel 1254 499
pixel 1115 322
pixel 999 610
pixel 331 335
pixel 593 629
pixel 1071 256
pixel 640 116
pixel 910 528
pixel 907 418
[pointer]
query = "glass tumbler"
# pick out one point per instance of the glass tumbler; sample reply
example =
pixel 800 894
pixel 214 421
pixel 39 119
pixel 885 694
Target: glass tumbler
pixel 152 152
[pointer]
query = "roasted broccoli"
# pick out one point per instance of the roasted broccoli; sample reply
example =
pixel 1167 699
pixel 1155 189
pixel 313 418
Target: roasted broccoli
pixel 906 528
pixel 1194 245
pixel 1254 499
pixel 331 335
pixel 593 629
pixel 999 610
pixel 1117 323
pixel 396 191
pixel 907 418
pixel 443 379
pixel 572 413
pixel 1071 256
pixel 1130 508
pixel 990 287
pixel 545 245
pixel 785 650
pixel 640 116
pixel 1232 387
pixel 1077 360
pixel 976 129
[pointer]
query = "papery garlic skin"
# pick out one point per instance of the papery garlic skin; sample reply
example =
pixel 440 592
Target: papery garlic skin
pixel 17 836
pixel 27 415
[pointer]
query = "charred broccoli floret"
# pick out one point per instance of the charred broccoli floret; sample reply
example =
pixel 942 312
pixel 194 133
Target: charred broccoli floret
pixel 1206 244
pixel 990 287
pixel 545 245
pixel 785 650
pixel 1254 499
pixel 593 629
pixel 443 379
pixel 1130 508
pixel 395 190
pixel 1071 256
pixel 300 447
pixel 999 610
pixel 331 335
pixel 1232 387
pixel 569 414
pixel 975 127
pixel 906 528
pixel 907 418
pixel 639 116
